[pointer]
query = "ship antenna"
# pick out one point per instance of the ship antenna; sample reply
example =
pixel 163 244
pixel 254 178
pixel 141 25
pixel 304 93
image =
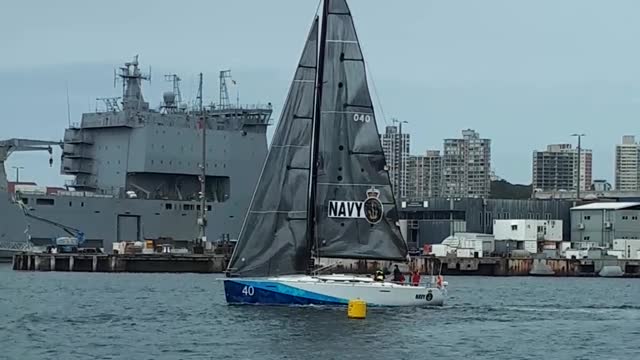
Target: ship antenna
pixel 224 92
pixel 68 106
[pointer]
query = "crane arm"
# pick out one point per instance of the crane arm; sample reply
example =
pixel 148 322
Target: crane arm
pixel 11 145
pixel 68 229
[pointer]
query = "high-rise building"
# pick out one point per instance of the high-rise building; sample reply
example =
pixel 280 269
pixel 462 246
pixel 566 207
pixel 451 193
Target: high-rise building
pixel 396 151
pixel 628 164
pixel 424 175
pixel 556 168
pixel 466 166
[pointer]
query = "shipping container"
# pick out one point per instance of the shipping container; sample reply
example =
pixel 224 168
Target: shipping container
pixel 488 247
pixel 531 246
pixel 629 247
pixel 31 189
pixel 578 254
pixel 440 250
pixel 527 229
pixel 465 253
pixel 504 247
pixel 617 253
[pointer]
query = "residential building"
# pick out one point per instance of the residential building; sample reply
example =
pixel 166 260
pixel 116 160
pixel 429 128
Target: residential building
pixel 628 164
pixel 466 166
pixel 600 223
pixel 556 168
pixel 424 175
pixel 396 151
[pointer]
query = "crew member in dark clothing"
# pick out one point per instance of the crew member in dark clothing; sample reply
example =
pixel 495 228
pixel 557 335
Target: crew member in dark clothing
pixel 397 275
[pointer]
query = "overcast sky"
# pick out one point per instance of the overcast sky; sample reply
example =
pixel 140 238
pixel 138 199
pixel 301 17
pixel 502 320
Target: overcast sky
pixel 523 73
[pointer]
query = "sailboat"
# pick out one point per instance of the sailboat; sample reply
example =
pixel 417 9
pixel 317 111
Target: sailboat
pixel 324 190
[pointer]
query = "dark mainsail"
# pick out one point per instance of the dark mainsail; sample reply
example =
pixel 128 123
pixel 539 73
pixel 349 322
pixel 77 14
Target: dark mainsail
pixel 273 240
pixel 328 117
pixel 355 209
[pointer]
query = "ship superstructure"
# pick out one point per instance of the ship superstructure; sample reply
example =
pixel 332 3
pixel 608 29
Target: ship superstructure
pixel 136 171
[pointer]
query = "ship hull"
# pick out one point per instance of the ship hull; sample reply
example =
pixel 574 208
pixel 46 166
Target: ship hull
pixel 105 220
pixel 334 290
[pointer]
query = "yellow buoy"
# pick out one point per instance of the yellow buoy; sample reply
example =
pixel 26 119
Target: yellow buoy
pixel 357 309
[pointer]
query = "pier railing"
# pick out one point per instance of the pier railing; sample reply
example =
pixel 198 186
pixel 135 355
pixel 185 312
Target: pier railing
pixel 15 246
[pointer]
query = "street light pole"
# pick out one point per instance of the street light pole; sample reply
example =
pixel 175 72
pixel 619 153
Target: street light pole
pixel 400 168
pixel 18 172
pixel 579 136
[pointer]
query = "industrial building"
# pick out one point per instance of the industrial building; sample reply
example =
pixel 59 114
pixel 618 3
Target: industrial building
pixel 434 219
pixel 603 222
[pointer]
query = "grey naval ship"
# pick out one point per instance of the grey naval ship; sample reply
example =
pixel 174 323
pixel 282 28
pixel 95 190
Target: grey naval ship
pixel 136 172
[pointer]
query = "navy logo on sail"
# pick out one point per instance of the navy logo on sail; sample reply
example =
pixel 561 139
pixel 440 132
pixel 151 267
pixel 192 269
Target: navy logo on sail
pixel 373 206
pixel 370 209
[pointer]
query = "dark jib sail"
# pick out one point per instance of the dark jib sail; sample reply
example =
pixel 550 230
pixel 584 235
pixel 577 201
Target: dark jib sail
pixel 356 215
pixel 273 240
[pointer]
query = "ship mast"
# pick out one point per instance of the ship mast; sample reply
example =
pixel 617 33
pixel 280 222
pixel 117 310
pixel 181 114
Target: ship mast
pixel 202 220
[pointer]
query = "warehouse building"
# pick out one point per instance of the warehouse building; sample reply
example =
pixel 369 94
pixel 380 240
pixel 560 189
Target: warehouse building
pixel 434 219
pixel 602 222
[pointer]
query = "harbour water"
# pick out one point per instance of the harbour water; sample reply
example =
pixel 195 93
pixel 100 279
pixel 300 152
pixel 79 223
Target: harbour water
pixel 55 315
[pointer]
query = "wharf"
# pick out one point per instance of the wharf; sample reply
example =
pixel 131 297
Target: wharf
pixel 532 266
pixel 190 263
pixel 145 263
pixel 502 266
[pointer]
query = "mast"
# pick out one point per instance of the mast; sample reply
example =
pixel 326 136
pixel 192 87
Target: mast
pixel 313 162
pixel 202 220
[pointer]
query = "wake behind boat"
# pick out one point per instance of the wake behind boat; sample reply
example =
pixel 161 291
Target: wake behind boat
pixel 324 190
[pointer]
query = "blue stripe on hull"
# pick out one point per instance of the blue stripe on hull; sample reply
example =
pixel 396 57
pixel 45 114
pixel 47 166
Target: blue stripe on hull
pixel 274 293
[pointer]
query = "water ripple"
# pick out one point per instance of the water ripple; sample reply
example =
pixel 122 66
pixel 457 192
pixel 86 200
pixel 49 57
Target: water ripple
pixel 171 316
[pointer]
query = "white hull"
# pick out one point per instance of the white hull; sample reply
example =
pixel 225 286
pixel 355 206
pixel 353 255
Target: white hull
pixel 329 290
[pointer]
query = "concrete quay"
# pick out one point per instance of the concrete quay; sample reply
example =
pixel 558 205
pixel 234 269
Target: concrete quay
pixel 145 263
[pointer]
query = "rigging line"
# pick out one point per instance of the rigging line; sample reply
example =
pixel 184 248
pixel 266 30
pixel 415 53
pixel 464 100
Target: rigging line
pixel 318 7
pixel 375 90
pixel 370 77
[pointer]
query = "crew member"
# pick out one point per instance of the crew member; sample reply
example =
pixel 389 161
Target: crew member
pixel 415 278
pixel 379 276
pixel 397 275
